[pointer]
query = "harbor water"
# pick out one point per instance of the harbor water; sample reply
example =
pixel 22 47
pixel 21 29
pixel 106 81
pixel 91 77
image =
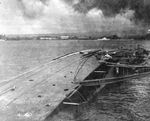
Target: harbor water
pixel 124 101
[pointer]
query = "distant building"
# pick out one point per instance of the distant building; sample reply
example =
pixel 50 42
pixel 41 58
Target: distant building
pixel 104 38
pixel 46 38
pixel 2 37
pixel 64 37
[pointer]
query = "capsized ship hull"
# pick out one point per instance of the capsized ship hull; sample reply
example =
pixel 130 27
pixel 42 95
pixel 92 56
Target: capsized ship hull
pixel 70 79
pixel 34 95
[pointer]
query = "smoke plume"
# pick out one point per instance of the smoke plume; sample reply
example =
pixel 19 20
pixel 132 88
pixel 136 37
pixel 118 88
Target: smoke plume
pixel 112 8
pixel 73 16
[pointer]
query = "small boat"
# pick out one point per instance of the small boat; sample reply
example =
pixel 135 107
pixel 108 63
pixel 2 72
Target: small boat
pixel 118 65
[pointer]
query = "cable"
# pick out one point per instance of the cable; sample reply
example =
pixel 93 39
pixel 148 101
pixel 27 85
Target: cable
pixel 39 83
pixel 36 68
pixel 82 64
pixel 64 56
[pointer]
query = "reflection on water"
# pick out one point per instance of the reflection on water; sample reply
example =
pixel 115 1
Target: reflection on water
pixel 125 101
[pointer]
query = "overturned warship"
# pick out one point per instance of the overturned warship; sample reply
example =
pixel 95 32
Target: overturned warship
pixel 71 79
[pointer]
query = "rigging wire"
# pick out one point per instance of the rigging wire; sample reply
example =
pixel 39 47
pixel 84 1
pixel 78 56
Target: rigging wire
pixel 12 88
pixel 34 60
pixel 79 68
pixel 66 55
pixel 40 68
pixel 39 83
pixel 37 69
pixel 87 56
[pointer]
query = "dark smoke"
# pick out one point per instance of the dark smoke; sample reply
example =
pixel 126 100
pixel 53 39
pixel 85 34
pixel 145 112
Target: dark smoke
pixel 86 16
pixel 111 8
pixel 33 8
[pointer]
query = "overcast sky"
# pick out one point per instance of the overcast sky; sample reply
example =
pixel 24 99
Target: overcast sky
pixel 56 16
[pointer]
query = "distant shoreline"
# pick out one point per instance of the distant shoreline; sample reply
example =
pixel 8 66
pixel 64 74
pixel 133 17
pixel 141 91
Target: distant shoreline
pixel 71 37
